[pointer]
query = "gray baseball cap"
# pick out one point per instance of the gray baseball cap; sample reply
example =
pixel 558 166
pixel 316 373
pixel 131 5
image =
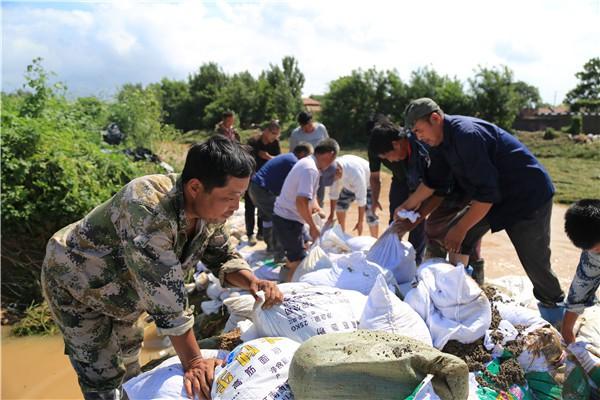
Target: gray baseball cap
pixel 418 109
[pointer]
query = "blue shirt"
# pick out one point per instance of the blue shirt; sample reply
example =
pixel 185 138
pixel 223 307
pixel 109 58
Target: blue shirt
pixel 491 166
pixel 272 175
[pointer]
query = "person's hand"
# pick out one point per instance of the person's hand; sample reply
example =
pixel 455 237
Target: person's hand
pixel 359 228
pixel 272 293
pixel 199 375
pixel 454 238
pixel 401 226
pixel 314 233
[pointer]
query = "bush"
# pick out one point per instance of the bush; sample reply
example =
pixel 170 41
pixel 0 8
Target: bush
pixel 550 134
pixel 576 126
pixel 37 321
pixel 53 173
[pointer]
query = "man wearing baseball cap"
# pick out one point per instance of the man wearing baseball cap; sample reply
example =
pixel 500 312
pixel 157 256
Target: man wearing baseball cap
pixel 509 188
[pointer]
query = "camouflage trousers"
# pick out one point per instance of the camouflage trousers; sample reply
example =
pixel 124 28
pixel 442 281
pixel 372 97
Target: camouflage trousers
pixel 103 351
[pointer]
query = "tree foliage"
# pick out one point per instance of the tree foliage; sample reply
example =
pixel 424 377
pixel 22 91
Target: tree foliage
pixel 586 95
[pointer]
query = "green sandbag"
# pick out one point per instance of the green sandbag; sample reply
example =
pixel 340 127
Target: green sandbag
pixel 373 365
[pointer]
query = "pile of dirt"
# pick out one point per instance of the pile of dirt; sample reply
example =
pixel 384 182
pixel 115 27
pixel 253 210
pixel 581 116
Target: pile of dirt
pixel 511 373
pixel 474 354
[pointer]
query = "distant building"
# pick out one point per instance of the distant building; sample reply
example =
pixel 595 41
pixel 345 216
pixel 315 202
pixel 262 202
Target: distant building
pixel 311 105
pixel 554 117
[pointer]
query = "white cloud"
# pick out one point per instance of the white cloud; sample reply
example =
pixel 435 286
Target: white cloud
pixel 97 47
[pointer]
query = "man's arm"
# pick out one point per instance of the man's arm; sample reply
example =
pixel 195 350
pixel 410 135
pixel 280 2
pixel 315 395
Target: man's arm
pixel 457 233
pixel 414 201
pixel 303 206
pixel 247 280
pixel 375 182
pixel 361 218
pixel 264 155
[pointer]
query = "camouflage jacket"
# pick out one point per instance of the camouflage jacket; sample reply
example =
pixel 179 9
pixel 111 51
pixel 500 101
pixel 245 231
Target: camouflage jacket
pixel 130 254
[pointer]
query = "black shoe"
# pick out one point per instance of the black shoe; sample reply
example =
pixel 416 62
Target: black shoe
pixel 251 240
pixel 259 236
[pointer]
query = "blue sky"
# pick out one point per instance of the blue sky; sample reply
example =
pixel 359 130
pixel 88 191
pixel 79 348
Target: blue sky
pixel 94 47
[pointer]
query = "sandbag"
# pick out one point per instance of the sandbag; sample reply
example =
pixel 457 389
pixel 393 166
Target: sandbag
pixel 396 255
pixel 450 303
pixel 240 307
pixel 164 381
pixel 256 370
pixel 351 272
pixel 385 312
pixel 334 240
pixel 316 310
pixel 316 259
pixel 373 365
pixel 361 243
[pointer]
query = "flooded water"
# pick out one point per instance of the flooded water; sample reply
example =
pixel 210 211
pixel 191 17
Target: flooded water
pixel 36 368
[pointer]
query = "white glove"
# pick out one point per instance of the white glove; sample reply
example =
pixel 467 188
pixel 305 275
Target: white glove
pixel 586 358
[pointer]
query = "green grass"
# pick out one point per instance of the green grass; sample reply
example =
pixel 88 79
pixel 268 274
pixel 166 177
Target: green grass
pixel 574 168
pixel 37 321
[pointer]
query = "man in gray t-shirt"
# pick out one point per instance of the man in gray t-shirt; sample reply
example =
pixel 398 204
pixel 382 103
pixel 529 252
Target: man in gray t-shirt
pixel 308 131
pixel 313 133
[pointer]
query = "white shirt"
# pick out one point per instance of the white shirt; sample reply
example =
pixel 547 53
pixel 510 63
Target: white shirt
pixel 303 180
pixel 355 178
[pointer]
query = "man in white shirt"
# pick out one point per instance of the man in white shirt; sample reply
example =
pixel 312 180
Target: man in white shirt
pixel 298 201
pixel 353 184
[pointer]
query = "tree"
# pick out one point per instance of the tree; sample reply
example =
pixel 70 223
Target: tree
pixel 239 95
pixel 447 92
pixel 350 101
pixel 204 86
pixel 175 100
pixel 526 96
pixel 586 95
pixel 494 95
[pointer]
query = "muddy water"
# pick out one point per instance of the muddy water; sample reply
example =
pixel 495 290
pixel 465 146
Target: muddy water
pixel 36 368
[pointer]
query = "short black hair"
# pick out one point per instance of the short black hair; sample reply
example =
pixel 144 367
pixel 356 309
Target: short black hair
pixel 304 117
pixel 213 161
pixel 303 147
pixel 375 119
pixel 272 125
pixel 382 135
pixel 227 114
pixel 326 146
pixel 582 223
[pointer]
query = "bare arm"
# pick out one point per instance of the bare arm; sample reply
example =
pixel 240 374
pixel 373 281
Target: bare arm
pixel 375 182
pixel 303 206
pixel 568 324
pixel 456 234
pixel 264 155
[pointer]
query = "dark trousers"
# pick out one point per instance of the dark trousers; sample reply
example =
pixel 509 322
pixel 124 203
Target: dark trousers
pixel 437 226
pixel 250 211
pixel 265 201
pixel 398 194
pixel 531 238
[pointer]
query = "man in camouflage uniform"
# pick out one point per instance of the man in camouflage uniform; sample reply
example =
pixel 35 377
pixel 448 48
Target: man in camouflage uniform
pixel 130 255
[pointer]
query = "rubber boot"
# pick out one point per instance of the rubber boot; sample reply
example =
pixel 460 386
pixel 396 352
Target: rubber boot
pixel 478 273
pixel 552 313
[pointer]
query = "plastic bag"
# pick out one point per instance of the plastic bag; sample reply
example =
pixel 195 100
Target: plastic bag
pixel 396 255
pixel 450 303
pixel 316 259
pixel 315 311
pixel 350 272
pixel 257 369
pixel 361 243
pixel 164 381
pixel 385 312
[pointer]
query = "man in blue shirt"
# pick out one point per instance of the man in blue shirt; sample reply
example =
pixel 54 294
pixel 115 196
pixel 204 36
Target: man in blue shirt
pixel 266 185
pixel 509 188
